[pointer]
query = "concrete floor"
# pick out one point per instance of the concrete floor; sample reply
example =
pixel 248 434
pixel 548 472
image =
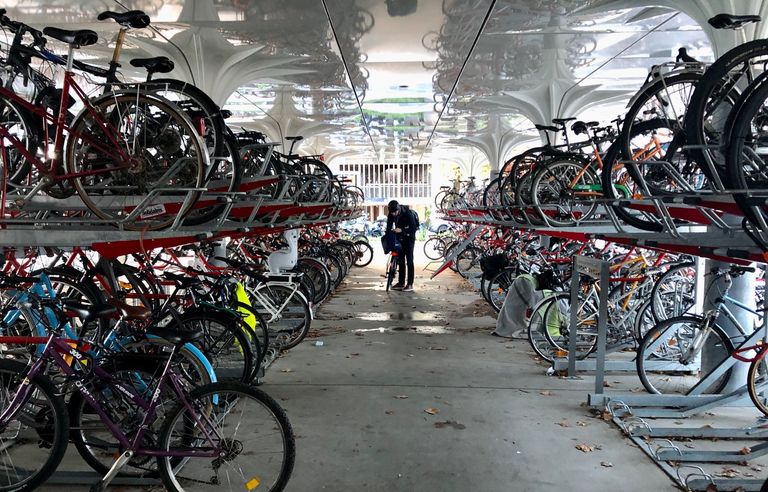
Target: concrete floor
pixel 410 392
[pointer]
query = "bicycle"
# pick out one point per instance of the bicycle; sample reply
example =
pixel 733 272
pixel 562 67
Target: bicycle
pixel 669 358
pixel 116 153
pixel 189 444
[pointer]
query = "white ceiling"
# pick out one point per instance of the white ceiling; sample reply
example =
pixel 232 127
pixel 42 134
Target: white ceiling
pixel 291 66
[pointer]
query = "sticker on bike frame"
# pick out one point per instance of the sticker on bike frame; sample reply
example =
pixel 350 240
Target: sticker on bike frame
pixel 153 211
pixel 252 484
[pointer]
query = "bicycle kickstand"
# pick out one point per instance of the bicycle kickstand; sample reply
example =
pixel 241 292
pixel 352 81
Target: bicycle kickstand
pixel 120 462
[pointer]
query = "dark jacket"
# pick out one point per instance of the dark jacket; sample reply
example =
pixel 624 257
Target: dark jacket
pixel 404 221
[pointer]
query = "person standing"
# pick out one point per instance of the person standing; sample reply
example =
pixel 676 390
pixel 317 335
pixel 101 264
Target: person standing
pixel 401 221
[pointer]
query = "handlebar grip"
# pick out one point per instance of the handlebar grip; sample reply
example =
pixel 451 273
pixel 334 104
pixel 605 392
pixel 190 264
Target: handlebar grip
pixel 743 269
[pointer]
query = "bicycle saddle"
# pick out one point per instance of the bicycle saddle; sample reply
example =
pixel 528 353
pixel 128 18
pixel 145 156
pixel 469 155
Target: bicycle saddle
pixel 130 312
pixel 133 18
pixel 562 121
pixel 174 335
pixel 83 37
pixel 582 127
pixel 730 21
pixel 546 128
pixel 295 139
pixel 157 64
pixel 89 312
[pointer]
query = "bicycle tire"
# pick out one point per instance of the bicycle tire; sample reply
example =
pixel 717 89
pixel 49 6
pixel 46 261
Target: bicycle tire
pixel 757 383
pixel 83 433
pixel 556 191
pixel 434 248
pixel 112 188
pixel 225 342
pixel 25 127
pixel 318 273
pixel 285 332
pixel 52 436
pixel 363 254
pixel 711 91
pixel 625 176
pixel 680 302
pixel 650 349
pixel 391 270
pixel 499 286
pixel 745 170
pixel 208 399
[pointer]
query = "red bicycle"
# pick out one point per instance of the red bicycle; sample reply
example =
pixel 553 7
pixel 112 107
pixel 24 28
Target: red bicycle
pixel 135 159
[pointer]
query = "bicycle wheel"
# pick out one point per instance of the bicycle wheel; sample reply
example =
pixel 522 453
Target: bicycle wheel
pixel 714 99
pixel 250 431
pixel 644 321
pixel 93 440
pixel 746 155
pixel 34 438
pixel 225 342
pixel 665 365
pixel 363 254
pixel 286 311
pixel 563 192
pixel 318 273
pixel 21 126
pixel 558 332
pixel 468 262
pixel 621 181
pixel 757 383
pixel 538 324
pixel 667 99
pixel 498 287
pixel 143 149
pixel 674 292
pixel 391 270
pixel 434 248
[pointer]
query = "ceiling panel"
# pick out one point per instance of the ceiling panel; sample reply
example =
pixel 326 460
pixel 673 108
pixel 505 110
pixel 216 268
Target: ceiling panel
pixel 374 81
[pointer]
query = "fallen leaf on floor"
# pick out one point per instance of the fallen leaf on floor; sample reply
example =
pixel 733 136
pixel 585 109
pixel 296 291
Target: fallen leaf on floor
pixel 432 410
pixel 606 464
pixel 449 423
pixel 707 426
pixel 689 446
pixel 286 370
pixel 728 473
pixel 401 397
pixel 606 384
pixel 545 393
pixel 354 354
pixel 437 348
pixel 636 390
pixel 757 468
pixel 584 448
pixel 745 450
pixel 390 412
pixel 607 416
pixel 598 447
pixel 581 424
pixel 410 355
pixel 359 334
pixel 711 488
pixel 564 423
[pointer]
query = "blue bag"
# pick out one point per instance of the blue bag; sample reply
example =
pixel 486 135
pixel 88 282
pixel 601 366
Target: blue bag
pixel 389 243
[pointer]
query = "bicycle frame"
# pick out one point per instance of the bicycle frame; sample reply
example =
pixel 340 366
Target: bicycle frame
pixel 54 347
pixel 53 171
pixel 274 311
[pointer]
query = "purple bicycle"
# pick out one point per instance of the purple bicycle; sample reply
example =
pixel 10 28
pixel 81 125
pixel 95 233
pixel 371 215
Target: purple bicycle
pixel 220 436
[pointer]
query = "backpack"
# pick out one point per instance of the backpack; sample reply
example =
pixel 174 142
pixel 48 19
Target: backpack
pixel 415 217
